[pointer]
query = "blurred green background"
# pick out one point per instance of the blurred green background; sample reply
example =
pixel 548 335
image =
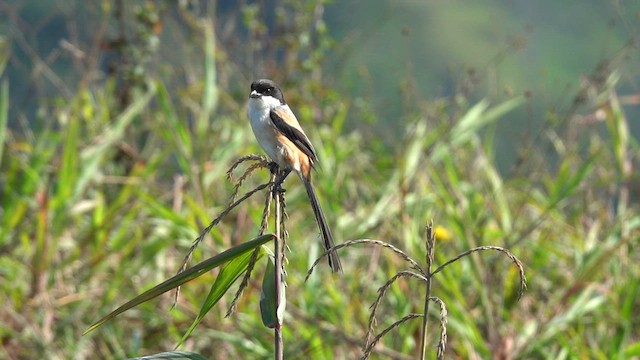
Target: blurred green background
pixel 509 123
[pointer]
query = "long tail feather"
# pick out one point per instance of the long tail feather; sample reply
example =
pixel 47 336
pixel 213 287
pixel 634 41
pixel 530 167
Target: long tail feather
pixel 327 238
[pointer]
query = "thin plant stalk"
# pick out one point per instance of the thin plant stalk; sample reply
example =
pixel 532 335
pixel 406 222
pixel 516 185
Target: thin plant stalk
pixel 279 345
pixel 431 240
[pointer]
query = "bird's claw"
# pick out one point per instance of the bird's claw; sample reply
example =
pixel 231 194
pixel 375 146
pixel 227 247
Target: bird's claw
pixel 273 167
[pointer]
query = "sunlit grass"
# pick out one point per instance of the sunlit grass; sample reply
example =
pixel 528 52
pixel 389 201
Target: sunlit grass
pixel 100 203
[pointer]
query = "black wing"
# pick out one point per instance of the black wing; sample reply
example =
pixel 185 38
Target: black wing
pixel 294 135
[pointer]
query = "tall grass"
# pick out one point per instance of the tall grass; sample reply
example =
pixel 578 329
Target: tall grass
pixel 101 198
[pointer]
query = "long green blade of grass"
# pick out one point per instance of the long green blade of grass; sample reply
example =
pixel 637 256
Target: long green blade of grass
pixel 227 276
pixel 568 180
pixel 475 119
pixel 70 164
pixel 184 277
pixel 632 350
pixel 210 94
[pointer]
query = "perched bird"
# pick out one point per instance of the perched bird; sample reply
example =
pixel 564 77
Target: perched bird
pixel 278 132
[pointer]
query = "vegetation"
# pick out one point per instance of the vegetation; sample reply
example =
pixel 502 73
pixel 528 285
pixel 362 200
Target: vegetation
pixel 105 185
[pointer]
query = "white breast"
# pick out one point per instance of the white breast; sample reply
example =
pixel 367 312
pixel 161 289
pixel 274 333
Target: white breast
pixel 264 130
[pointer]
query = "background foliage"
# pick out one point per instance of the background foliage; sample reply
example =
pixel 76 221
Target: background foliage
pixel 505 125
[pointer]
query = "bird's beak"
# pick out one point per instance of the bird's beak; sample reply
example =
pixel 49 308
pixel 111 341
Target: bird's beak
pixel 254 94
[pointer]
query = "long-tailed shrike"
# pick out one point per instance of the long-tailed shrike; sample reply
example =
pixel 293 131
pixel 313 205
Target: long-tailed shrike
pixel 280 135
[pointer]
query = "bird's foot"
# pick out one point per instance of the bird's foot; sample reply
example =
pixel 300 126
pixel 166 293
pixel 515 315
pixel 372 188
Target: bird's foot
pixel 273 167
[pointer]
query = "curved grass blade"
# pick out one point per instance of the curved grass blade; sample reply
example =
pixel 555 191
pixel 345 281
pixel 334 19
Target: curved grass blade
pixel 184 277
pixel 479 116
pixel 227 276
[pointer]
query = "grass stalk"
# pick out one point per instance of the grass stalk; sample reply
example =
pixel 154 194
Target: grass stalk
pixel 278 249
pixel 431 240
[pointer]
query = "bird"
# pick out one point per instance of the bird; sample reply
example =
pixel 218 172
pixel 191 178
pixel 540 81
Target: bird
pixel 280 135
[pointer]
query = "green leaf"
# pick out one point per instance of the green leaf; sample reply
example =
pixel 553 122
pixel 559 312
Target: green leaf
pixel 69 167
pixel 567 182
pixel 469 123
pixel 475 119
pixel 158 208
pixel 184 277
pixel 588 301
pixel 227 276
pixel 270 315
pixel 632 350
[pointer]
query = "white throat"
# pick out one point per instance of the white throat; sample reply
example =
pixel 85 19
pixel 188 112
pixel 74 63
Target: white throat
pixel 263 103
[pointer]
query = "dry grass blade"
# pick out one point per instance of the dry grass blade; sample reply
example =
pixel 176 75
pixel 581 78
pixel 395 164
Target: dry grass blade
pixel 346 336
pixel 372 344
pixel 283 222
pixel 431 249
pixel 413 264
pixel 261 230
pixel 285 232
pixel 267 206
pixel 206 230
pixel 442 343
pixel 252 157
pixel 381 291
pixel 262 163
pixel 523 278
